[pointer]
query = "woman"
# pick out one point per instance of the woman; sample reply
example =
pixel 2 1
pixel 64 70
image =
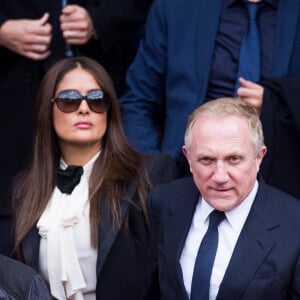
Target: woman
pixel 81 218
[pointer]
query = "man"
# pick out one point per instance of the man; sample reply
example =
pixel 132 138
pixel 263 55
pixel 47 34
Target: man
pixel 19 282
pixel 257 244
pixel 190 54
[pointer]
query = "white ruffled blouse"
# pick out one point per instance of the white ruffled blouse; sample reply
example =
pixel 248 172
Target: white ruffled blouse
pixel 66 256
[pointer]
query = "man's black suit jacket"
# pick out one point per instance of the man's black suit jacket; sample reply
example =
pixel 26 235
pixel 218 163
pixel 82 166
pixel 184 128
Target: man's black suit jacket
pixel 266 260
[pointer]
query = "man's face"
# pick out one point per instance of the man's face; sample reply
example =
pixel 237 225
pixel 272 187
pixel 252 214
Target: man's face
pixel 223 160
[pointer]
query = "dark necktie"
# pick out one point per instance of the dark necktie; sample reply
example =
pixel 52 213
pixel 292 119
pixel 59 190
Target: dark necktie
pixel 67 179
pixel 249 62
pixel 205 258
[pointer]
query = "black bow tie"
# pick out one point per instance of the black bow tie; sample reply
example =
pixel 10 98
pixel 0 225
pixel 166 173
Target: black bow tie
pixel 67 179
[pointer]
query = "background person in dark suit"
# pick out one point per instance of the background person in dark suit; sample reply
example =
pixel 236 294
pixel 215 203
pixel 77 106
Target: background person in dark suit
pixel 258 241
pixel 83 225
pixel 190 54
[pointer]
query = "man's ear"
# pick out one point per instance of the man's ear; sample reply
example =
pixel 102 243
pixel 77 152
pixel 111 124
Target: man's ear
pixel 261 155
pixel 185 151
pixel 187 155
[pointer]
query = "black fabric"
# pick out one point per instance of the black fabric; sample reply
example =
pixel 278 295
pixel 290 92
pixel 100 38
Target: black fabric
pixel 120 26
pixel 6 235
pixel 281 127
pixel 67 179
pixel 19 282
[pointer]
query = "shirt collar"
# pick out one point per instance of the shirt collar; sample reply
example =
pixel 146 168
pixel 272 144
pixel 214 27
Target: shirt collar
pixel 236 216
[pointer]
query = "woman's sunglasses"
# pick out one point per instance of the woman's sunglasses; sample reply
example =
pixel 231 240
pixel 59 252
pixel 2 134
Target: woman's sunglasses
pixel 69 101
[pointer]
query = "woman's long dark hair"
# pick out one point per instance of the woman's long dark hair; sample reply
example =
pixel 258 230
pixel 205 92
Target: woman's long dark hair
pixel 118 165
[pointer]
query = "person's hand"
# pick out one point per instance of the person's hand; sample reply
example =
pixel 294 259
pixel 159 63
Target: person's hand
pixel 29 38
pixel 76 25
pixel 252 93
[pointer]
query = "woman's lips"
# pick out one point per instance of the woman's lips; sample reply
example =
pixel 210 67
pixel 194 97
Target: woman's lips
pixel 83 125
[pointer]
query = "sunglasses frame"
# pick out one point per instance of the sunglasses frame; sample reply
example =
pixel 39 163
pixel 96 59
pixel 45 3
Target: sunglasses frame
pixel 105 99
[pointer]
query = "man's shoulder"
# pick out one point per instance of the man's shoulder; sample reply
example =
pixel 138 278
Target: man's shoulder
pixel 277 194
pixel 173 197
pixel 278 201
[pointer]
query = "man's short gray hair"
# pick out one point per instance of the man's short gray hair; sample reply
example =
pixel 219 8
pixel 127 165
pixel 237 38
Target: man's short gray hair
pixel 226 107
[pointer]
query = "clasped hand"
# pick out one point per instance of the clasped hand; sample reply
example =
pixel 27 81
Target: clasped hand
pixel 32 38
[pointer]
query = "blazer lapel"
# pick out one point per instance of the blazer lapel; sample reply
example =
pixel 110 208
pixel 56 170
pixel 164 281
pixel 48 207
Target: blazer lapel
pixel 209 13
pixel 107 231
pixel 252 247
pixel 287 19
pixel 177 226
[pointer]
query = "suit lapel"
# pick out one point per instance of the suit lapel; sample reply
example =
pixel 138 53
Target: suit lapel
pixel 107 231
pixel 177 226
pixel 287 19
pixel 209 10
pixel 252 247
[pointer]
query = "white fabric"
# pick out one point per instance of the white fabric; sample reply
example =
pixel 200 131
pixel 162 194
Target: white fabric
pixel 66 256
pixel 229 231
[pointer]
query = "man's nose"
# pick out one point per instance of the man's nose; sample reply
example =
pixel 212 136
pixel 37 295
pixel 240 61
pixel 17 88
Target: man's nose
pixel 220 174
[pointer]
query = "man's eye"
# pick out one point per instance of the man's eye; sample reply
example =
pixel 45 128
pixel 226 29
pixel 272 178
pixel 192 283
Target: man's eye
pixel 205 160
pixel 234 159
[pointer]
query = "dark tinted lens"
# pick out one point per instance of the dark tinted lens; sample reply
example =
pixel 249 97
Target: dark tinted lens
pixel 68 101
pixel 68 105
pixel 98 101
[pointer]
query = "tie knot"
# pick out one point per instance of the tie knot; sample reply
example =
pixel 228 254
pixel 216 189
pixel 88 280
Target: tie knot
pixel 252 9
pixel 215 218
pixel 67 179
